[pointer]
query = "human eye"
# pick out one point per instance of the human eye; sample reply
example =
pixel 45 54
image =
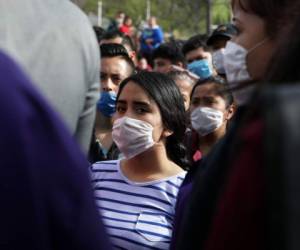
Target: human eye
pixel 142 109
pixel 120 108
pixel 116 79
pixel 102 76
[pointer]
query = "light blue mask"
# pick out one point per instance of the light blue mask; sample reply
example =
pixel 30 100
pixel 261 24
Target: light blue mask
pixel 201 68
pixel 107 103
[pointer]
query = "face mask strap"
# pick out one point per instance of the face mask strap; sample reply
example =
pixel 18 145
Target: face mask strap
pixel 257 45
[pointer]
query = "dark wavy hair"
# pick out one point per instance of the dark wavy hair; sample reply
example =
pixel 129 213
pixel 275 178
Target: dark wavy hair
pixel 163 90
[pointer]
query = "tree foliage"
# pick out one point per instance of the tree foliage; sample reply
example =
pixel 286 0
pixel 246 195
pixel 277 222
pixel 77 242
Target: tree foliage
pixel 181 17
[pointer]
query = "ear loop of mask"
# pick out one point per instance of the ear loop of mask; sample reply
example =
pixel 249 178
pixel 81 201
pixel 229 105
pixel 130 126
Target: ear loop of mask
pixel 257 45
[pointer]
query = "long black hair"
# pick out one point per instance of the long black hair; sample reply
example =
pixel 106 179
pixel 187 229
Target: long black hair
pixel 167 96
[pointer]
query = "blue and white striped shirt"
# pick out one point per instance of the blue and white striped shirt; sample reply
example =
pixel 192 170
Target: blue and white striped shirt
pixel 136 215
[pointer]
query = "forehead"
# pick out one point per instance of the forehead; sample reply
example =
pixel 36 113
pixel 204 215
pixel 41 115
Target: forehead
pixel 115 64
pixel 207 89
pixel 199 52
pixel 162 60
pixel 133 92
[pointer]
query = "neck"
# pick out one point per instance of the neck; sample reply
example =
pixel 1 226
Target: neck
pixel 150 165
pixel 103 124
pixel 208 141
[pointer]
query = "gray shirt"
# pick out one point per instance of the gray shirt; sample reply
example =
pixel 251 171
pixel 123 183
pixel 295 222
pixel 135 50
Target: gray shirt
pixel 54 42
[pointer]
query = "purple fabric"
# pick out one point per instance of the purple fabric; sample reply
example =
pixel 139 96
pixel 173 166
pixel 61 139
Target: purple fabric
pixel 183 198
pixel 46 198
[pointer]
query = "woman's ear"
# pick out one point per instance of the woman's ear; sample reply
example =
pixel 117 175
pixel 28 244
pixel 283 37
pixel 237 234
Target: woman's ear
pixel 167 133
pixel 230 112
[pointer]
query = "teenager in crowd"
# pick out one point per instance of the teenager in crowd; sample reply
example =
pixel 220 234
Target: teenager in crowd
pixel 115 67
pixel 116 36
pixel 166 55
pixel 137 195
pixel 217 42
pixel 211 110
pixel 185 84
pixel 198 56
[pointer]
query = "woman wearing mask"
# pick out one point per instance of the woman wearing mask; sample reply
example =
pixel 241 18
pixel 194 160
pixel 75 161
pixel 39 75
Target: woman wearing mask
pixel 137 195
pixel 211 110
pixel 221 216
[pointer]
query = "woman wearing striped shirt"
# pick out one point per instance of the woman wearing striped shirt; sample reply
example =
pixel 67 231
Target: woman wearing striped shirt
pixel 136 196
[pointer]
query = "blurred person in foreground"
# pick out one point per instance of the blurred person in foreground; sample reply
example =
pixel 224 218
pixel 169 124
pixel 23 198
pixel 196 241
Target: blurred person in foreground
pixel 46 199
pixel 55 44
pixel 239 201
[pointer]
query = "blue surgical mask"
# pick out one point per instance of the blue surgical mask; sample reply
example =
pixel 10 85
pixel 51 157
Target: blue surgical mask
pixel 107 103
pixel 201 68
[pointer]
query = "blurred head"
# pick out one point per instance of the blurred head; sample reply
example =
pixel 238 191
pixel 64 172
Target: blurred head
pixel 167 54
pixel 220 36
pixel 115 36
pixel 155 98
pixel 128 21
pixel 258 24
pixel 195 48
pixel 115 66
pixel 152 22
pixel 99 31
pixel 185 84
pixel 284 64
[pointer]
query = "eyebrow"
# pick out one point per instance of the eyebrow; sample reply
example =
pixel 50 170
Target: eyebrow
pixel 134 102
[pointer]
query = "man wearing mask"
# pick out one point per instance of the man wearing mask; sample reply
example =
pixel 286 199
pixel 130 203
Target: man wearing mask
pixel 198 57
pixel 115 67
pixel 217 41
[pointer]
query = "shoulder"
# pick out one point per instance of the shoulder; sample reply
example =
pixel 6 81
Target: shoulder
pixel 104 169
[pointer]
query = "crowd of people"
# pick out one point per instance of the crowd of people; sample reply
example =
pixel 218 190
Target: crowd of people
pixel 113 140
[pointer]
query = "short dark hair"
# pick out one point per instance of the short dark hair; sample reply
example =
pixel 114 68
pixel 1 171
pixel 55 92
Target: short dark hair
pixel 220 86
pixel 99 31
pixel 116 50
pixel 163 90
pixel 126 40
pixel 195 42
pixel 170 51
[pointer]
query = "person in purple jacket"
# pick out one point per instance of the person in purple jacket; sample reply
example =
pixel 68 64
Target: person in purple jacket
pixel 46 198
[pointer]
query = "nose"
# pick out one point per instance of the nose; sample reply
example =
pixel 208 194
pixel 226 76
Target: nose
pixel 107 85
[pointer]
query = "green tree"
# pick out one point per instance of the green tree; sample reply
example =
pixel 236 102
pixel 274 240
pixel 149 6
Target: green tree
pixel 182 17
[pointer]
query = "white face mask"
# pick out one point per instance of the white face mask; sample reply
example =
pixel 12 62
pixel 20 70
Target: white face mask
pixel 218 61
pixel 132 136
pixel 235 65
pixel 206 120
